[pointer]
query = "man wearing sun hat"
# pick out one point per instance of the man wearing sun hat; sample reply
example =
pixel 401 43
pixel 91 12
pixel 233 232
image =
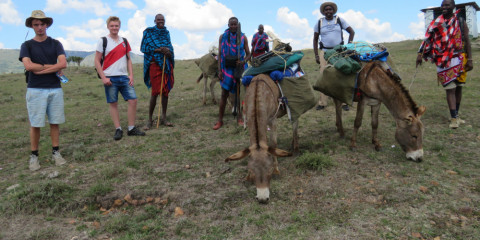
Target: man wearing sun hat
pixel 43 57
pixel 330 31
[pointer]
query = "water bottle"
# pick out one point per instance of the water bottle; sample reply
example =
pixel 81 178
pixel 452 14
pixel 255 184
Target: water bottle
pixel 62 77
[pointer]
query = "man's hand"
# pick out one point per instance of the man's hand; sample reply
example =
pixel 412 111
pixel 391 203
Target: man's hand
pixel 106 81
pixel 131 80
pixel 419 60
pixel 317 59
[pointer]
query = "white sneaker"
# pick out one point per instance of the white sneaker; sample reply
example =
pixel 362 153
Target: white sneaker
pixel 33 163
pixel 57 157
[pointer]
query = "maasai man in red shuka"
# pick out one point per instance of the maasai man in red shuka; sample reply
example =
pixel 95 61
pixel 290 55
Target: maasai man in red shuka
pixel 157 47
pixel 259 42
pixel 228 47
pixel 448 46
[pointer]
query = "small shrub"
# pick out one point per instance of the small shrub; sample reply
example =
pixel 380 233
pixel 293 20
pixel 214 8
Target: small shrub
pixel 48 233
pixel 314 161
pixel 54 195
pixel 100 189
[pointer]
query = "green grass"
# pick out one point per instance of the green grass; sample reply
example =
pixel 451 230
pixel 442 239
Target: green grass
pixel 326 192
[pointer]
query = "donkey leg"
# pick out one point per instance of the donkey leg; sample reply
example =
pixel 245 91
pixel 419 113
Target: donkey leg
pixel 295 147
pixel 357 124
pixel 202 75
pixel 212 84
pixel 375 112
pixel 338 120
pixel 273 143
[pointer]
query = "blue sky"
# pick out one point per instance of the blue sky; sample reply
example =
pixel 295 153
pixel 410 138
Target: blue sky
pixel 195 25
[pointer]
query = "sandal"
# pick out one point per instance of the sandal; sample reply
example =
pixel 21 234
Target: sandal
pixel 218 125
pixel 149 126
pixel 165 123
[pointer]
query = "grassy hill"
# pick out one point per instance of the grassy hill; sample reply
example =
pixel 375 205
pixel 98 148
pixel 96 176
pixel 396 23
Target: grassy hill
pixel 174 184
pixel 88 60
pixel 9 59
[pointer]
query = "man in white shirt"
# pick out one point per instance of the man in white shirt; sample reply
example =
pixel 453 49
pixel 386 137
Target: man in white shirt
pixel 116 72
pixel 328 33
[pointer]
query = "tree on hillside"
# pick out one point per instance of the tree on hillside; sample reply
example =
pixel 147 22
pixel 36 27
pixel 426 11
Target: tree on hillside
pixel 75 59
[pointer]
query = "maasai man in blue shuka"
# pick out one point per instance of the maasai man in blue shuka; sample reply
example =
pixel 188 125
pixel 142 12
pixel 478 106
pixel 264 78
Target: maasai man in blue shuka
pixel 259 42
pixel 158 49
pixel 228 46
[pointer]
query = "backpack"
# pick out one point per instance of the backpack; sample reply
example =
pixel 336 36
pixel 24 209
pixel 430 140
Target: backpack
pixel 337 21
pixel 104 46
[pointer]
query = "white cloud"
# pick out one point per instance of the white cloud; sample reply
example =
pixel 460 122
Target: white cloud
pixel 62 6
pixel 298 32
pixel 194 48
pixel 127 4
pixel 133 31
pixel 418 28
pixel 208 16
pixel 8 13
pixel 371 30
pixel 90 31
pixel 1 45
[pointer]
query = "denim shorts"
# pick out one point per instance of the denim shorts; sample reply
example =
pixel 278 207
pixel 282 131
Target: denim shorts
pixel 119 84
pixel 41 101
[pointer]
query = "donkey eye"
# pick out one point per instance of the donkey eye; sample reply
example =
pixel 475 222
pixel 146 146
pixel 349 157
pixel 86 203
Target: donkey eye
pixel 414 137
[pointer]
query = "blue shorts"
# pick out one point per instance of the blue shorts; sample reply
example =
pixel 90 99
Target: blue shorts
pixel 41 101
pixel 119 84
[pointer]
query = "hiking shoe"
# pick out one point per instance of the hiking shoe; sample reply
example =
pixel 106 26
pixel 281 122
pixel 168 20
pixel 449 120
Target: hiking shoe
pixel 320 107
pixel 58 159
pixel 454 123
pixel 135 132
pixel 33 164
pixel 118 134
pixel 346 108
pixel 460 121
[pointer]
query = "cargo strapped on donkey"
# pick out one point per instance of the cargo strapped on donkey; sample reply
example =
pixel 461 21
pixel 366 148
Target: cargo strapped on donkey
pixel 339 80
pixel 284 68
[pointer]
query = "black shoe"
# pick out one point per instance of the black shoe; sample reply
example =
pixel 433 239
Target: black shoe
pixel 118 134
pixel 346 108
pixel 135 132
pixel 320 107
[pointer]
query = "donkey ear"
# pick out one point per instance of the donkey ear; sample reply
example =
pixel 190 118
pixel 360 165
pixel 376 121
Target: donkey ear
pixel 279 152
pixel 238 155
pixel 421 110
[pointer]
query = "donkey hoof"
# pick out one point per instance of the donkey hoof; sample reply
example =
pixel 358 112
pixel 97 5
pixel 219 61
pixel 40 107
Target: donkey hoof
pixel 353 149
pixel 378 148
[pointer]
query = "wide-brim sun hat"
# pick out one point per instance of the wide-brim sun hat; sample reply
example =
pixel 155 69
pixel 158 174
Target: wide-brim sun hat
pixel 38 14
pixel 331 4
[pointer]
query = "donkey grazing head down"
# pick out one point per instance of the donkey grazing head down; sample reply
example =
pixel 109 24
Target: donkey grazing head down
pixel 387 88
pixel 261 167
pixel 409 134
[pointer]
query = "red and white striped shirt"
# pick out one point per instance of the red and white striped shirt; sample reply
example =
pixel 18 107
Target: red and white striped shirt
pixel 115 62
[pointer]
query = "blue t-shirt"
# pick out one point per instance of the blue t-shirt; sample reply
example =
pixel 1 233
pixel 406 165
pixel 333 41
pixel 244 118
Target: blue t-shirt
pixel 45 52
pixel 331 32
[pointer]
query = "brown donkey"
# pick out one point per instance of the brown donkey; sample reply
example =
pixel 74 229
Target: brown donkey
pixel 261 105
pixel 377 86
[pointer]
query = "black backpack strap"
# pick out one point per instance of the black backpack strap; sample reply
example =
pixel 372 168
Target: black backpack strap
pixel 104 45
pixel 341 28
pixel 126 47
pixel 29 48
pixel 319 25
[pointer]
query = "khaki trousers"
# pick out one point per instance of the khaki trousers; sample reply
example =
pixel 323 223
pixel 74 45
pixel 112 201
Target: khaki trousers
pixel 322 101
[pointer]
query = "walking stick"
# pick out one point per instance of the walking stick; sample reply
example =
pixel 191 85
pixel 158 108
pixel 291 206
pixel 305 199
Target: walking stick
pixel 237 75
pixel 161 91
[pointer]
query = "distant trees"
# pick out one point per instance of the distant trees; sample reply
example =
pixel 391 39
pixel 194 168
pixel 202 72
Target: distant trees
pixel 75 59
